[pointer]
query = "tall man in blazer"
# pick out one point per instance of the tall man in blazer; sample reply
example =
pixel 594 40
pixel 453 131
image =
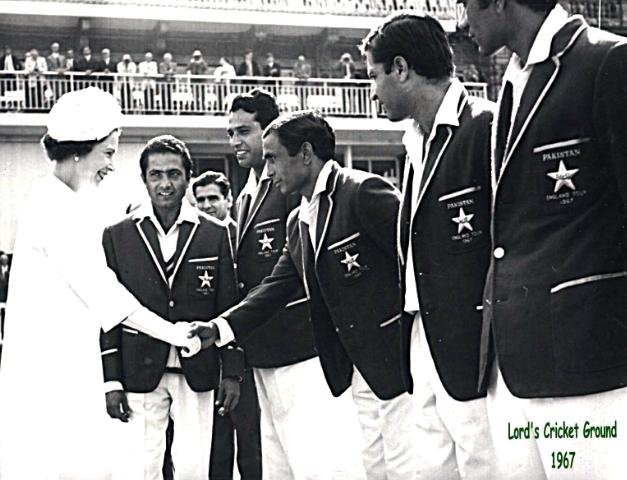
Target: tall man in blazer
pixel 290 384
pixel 212 192
pixel 341 242
pixel 444 240
pixel 177 263
pixel 554 303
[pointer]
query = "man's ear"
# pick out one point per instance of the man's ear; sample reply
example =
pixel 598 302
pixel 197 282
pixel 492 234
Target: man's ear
pixel 306 150
pixel 400 67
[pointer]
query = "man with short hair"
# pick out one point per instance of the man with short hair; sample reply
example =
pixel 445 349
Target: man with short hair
pixel 149 69
pixel 341 242
pixel 554 342
pixel 178 264
pixel 444 244
pixel 296 444
pixel 55 61
pixel 212 192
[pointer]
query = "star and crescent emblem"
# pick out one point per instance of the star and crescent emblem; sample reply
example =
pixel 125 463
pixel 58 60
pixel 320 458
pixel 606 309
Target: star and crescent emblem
pixel 266 242
pixel 350 261
pixel 205 280
pixel 463 220
pixel 563 177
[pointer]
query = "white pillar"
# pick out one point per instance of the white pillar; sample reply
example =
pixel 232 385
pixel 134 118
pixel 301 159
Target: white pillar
pixel 348 156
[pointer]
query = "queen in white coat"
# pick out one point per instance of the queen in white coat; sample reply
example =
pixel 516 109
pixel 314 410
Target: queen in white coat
pixel 53 421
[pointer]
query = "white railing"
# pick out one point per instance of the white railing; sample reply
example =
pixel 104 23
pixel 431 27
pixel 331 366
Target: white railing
pixel 441 9
pixel 193 94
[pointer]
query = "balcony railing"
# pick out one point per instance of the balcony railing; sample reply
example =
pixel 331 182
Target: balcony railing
pixel 193 94
pixel 441 9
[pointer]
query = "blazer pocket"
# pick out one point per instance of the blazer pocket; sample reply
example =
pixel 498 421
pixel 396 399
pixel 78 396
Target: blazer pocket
pixel 465 218
pixel 590 322
pixel 348 259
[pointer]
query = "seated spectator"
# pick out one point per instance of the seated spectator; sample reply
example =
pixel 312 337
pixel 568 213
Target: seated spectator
pixel 107 65
pixel 87 62
pixel 271 68
pixel 302 68
pixel 224 70
pixel 69 60
pixel 167 68
pixel 345 67
pixel 55 61
pixel 197 64
pixel 8 81
pixel 35 66
pixel 248 68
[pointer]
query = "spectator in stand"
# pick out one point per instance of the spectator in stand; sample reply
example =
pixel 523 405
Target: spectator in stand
pixel 55 61
pixel 126 68
pixel 167 68
pixel 345 67
pixel 248 68
pixel 225 70
pixel 35 66
pixel 149 69
pixel 107 66
pixel 302 68
pixel 8 82
pixel 271 68
pixel 198 66
pixel 87 62
pixel 473 74
pixel 69 60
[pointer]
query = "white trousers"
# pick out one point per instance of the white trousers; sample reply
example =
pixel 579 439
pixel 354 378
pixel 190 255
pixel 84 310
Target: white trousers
pixel 453 437
pixel 551 458
pixel 389 452
pixel 142 440
pixel 306 433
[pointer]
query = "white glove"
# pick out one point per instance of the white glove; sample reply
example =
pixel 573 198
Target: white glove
pixel 189 346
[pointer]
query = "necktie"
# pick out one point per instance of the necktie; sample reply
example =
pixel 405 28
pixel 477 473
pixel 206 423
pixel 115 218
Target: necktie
pixel 503 126
pixel 406 211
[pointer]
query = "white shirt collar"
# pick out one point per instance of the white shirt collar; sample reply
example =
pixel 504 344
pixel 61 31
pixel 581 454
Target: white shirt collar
pixel 252 184
pixel 541 47
pixel 304 213
pixel 447 114
pixel 187 214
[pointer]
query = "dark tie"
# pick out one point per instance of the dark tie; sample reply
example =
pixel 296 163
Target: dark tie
pixel 503 125
pixel 406 211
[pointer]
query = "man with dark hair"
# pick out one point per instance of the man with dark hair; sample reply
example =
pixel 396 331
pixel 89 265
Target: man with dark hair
pixel 342 245
pixel 212 192
pixel 179 265
pixel 554 342
pixel 296 443
pixel 444 241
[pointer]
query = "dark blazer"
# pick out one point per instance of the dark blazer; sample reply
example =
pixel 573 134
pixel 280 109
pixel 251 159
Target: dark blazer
pixel 352 281
pixel 287 338
pixel 450 258
pixel 111 66
pixel 17 65
pixel 132 250
pixel 241 69
pixel 81 64
pixel 555 294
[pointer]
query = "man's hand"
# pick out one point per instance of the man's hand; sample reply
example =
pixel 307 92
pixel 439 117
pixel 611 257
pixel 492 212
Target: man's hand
pixel 117 405
pixel 228 396
pixel 190 344
pixel 207 331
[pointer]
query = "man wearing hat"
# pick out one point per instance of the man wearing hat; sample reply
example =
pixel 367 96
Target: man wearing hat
pixel 126 68
pixel 198 66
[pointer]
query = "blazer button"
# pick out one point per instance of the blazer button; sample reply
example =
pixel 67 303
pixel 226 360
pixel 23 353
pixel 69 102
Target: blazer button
pixel 171 303
pixel 241 285
pixel 499 252
pixel 337 329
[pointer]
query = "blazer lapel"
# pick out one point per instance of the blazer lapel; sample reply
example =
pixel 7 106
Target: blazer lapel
pixel 186 234
pixel 243 206
pixel 307 256
pixel 324 210
pixel 540 82
pixel 148 234
pixel 261 195
pixel 402 224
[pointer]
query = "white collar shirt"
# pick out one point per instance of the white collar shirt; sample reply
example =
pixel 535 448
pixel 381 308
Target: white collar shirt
pixel 518 74
pixel 308 211
pixel 417 152
pixel 167 244
pixel 253 185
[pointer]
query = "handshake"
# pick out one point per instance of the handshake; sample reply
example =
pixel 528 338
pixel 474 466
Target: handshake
pixel 195 336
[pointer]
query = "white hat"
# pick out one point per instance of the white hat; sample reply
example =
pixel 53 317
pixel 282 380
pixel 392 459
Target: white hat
pixel 196 53
pixel 84 115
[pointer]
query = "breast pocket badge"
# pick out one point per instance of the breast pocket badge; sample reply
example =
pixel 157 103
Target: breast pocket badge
pixel 266 242
pixel 204 276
